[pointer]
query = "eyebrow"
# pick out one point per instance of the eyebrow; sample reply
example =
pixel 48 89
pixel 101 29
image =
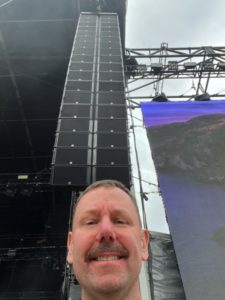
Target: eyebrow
pixel 116 211
pixel 125 213
pixel 91 211
pixel 87 213
pixel 119 211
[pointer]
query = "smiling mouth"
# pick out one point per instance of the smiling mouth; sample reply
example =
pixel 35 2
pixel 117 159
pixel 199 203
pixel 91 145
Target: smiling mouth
pixel 105 252
pixel 107 258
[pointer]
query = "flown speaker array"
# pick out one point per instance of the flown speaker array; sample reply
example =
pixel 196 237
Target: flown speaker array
pixel 91 139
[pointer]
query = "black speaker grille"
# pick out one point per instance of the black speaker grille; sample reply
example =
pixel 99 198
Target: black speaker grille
pixel 91 140
pixel 74 125
pixel 76 111
pixel 73 139
pixel 81 97
pixel 71 156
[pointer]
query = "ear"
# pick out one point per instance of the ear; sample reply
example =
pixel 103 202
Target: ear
pixel 70 247
pixel 144 244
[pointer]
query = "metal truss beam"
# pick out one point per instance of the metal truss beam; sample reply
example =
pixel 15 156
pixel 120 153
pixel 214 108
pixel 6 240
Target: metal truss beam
pixel 155 65
pixel 182 52
pixel 172 96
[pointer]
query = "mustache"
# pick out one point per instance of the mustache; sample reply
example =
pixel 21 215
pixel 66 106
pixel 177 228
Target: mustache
pixel 105 247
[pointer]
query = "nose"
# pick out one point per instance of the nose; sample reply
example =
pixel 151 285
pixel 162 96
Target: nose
pixel 106 232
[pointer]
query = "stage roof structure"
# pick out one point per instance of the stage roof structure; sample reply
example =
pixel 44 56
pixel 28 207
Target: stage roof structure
pixel 35 44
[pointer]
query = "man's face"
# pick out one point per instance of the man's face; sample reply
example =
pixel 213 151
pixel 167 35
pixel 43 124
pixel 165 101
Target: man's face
pixel 107 245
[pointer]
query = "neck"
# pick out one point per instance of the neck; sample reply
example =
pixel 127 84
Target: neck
pixel 133 294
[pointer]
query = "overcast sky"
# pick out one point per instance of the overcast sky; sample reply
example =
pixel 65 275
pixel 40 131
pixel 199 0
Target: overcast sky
pixel 176 22
pixel 180 23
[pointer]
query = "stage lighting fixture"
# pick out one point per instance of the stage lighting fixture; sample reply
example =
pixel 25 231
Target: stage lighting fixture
pixel 26 191
pixel 141 68
pixel 160 98
pixel 189 65
pixel 131 66
pixel 208 66
pixel 221 66
pixel 172 65
pixel 10 191
pixel 11 253
pixel 156 68
pixel 202 97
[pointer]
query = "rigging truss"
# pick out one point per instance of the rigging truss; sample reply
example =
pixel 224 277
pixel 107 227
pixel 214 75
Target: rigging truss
pixel 151 67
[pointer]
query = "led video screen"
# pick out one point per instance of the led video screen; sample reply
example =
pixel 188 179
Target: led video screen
pixel 187 141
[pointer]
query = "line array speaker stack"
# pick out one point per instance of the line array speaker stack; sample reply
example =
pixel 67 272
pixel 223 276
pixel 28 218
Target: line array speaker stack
pixel 92 137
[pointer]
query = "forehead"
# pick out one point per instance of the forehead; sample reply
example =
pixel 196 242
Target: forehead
pixel 113 197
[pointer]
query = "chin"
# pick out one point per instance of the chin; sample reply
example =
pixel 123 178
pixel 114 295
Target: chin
pixel 109 284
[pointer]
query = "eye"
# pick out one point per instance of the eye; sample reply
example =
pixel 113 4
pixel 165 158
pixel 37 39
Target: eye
pixel 120 221
pixel 91 222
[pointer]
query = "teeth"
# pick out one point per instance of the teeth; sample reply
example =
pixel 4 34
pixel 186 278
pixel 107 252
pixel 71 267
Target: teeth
pixel 107 258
